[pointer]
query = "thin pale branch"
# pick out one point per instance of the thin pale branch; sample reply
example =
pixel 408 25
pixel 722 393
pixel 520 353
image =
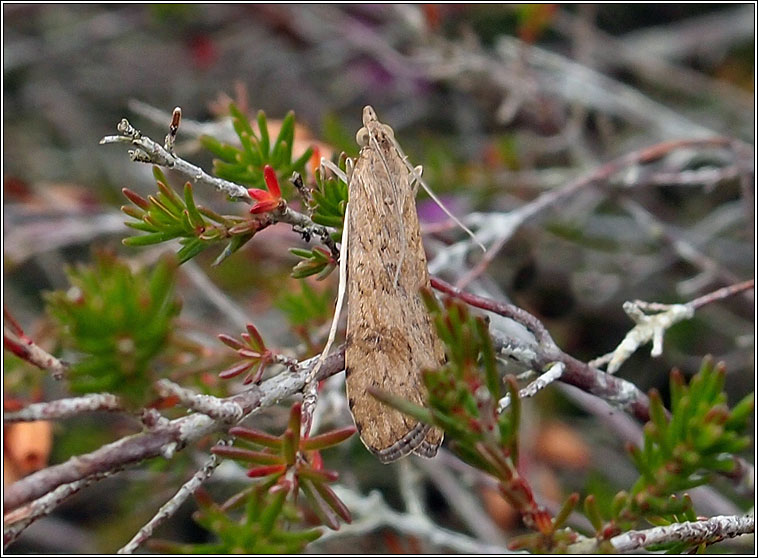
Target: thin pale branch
pixel 723 293
pixel 372 512
pixel 64 408
pixel 708 531
pixel 170 508
pixel 219 409
pixel 149 151
pixel 553 373
pixel 15 521
pixel 602 174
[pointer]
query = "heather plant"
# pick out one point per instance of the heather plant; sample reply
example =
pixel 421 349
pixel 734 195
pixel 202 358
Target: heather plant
pixel 250 427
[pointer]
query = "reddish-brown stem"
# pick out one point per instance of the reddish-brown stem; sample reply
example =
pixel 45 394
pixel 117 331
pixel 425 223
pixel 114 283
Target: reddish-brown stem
pixel 577 373
pixel 723 293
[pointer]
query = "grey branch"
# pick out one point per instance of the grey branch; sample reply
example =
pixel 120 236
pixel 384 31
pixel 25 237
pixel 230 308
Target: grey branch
pixel 149 151
pixel 63 408
pixel 373 513
pixel 169 508
pixel 166 437
pixel 710 530
pixel 217 408
pixel 19 519
pixel 553 373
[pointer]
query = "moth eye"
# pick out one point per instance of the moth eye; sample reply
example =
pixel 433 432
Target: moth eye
pixel 388 130
pixel 361 137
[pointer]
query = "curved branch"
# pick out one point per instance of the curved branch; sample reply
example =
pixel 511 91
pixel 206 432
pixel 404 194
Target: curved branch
pixel 619 392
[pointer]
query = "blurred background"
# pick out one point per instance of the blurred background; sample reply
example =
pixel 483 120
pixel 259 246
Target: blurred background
pixel 500 103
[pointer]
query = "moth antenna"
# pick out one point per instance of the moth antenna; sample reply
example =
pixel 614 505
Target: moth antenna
pixel 417 177
pixel 311 386
pixel 340 296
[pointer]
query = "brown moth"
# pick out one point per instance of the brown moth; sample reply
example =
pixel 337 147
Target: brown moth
pixel 390 334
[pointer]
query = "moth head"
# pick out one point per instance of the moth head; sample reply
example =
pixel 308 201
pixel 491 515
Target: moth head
pixel 362 136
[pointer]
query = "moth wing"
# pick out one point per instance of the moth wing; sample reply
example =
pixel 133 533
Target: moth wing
pixel 391 337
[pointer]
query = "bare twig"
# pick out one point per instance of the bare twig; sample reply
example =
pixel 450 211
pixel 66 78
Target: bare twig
pixel 223 410
pixel 684 249
pixel 650 327
pixel 165 438
pixel 149 151
pixel 653 319
pixel 554 373
pixel 16 341
pixel 173 129
pixel 373 513
pixel 708 531
pixel 722 293
pixel 499 234
pixel 15 521
pixel 63 408
pixel 170 508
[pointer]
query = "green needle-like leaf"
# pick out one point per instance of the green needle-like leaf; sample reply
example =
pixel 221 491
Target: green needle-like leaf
pixel 265 146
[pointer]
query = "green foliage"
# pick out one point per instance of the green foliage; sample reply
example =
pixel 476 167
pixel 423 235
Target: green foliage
pixel 681 450
pixel 685 448
pixel 119 321
pixel 291 461
pixel 330 199
pixel 463 397
pixel 316 261
pixel 244 165
pixel 166 216
pixel 327 209
pixel 265 527
pixel 306 307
